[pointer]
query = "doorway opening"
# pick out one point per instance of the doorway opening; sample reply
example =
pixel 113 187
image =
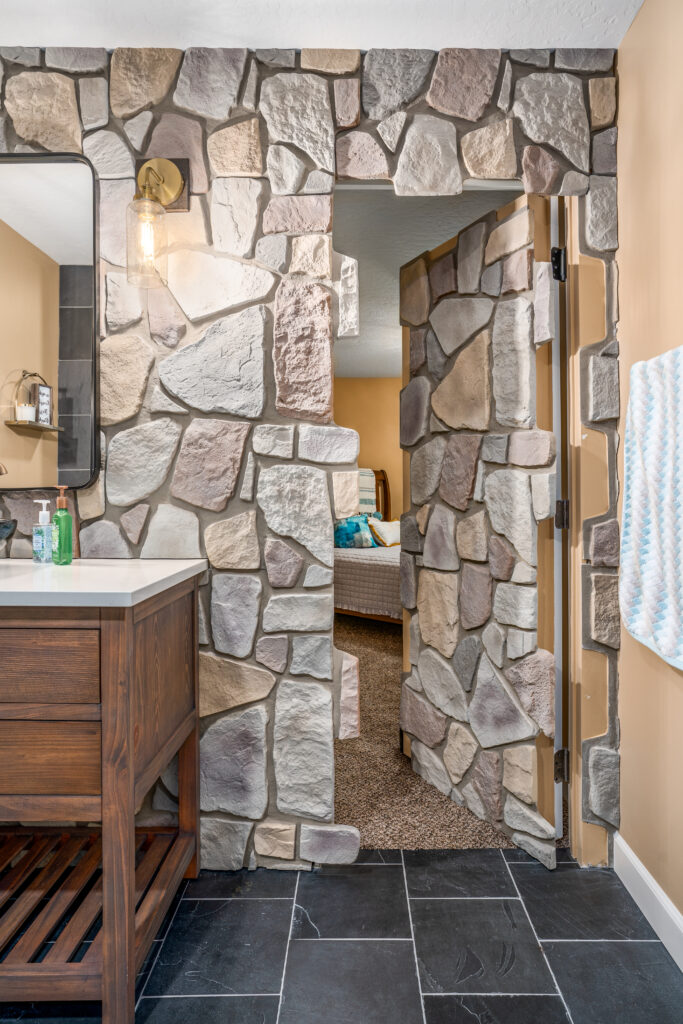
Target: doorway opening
pixel 395 803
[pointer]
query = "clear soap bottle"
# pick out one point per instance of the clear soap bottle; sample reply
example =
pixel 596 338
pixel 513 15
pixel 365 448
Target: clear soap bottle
pixel 42 534
pixel 62 532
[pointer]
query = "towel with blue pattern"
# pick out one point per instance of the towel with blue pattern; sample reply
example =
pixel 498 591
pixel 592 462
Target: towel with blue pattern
pixel 651 580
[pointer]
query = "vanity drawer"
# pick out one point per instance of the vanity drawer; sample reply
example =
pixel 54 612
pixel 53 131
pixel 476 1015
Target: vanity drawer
pixel 47 758
pixel 50 666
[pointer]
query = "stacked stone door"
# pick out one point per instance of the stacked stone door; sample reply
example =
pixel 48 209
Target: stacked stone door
pixel 477 572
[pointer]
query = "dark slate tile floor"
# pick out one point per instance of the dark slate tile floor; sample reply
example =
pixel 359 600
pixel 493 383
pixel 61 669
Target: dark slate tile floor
pixel 425 937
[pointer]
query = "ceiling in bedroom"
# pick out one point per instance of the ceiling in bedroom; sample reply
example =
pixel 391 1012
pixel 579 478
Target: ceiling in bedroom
pixel 301 23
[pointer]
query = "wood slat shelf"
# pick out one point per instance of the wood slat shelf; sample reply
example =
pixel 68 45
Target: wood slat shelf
pixel 40 428
pixel 51 906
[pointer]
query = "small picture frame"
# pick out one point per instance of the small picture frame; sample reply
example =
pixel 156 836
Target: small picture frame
pixel 41 397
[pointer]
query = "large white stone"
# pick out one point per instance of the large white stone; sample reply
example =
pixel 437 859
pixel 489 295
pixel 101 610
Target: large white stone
pixel 223 843
pixel 235 603
pixel 551 110
pixel 125 363
pixel 173 533
pixel 456 319
pixel 441 684
pixel 303 753
pixel 428 164
pixel 209 81
pixel 512 363
pixel 496 717
pixel 123 306
pixel 232 764
pixel 328 444
pixel 508 499
pixel 204 284
pixel 312 255
pixel 188 230
pixel 109 155
pixel 296 504
pixel 298 613
pixel 223 371
pixel 139 460
pixel 233 543
pixel 297 110
pixel 234 214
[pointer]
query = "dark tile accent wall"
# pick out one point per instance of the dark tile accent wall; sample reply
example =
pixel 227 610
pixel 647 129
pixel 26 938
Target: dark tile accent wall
pixel 76 369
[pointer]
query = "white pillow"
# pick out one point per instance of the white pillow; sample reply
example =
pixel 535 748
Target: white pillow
pixel 387 535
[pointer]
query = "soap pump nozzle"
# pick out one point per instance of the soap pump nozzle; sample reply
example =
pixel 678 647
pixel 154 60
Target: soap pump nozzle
pixel 61 500
pixel 44 514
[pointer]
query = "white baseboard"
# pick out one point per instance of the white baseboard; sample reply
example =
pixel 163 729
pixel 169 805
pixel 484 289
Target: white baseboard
pixel 663 915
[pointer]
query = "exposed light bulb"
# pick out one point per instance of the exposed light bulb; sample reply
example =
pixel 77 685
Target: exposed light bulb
pixel 146 243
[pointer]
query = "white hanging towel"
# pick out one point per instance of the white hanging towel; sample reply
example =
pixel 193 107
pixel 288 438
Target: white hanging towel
pixel 651 574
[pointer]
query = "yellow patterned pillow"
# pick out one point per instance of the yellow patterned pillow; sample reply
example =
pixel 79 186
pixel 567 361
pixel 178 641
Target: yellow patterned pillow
pixel 387 535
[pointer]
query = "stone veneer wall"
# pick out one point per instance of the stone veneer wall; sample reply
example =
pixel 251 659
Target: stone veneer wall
pixel 216 393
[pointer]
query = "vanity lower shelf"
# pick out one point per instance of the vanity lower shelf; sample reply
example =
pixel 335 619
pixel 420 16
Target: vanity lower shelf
pixel 51 882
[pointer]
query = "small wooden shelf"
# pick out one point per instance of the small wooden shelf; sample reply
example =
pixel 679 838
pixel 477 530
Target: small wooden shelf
pixel 40 428
pixel 51 906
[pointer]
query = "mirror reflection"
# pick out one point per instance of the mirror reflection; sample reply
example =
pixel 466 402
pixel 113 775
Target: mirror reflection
pixel 47 328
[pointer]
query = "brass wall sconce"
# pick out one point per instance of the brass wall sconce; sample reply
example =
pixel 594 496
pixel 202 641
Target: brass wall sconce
pixel 163 184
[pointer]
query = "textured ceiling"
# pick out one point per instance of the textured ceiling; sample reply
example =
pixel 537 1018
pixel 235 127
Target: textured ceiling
pixel 300 23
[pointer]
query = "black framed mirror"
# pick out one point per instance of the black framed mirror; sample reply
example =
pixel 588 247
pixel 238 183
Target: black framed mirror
pixel 48 321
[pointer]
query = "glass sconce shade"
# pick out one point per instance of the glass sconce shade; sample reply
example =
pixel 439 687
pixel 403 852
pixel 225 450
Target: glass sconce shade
pixel 146 243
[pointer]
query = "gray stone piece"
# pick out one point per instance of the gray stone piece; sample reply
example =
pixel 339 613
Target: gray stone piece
pixel 455 320
pixel 235 204
pixel 235 604
pixel 297 110
pixel 224 843
pixel 389 130
pixel 274 440
pixel 475 595
pixel 463 82
pixel 93 94
pixel 317 576
pixel 605 152
pixel 471 258
pixel 486 779
pixel 103 540
pixel 512 363
pixel 312 656
pixel 533 679
pixel 303 753
pixel 437 360
pixel 139 460
pixel 536 58
pixel 540 170
pixel 329 844
pixel 516 605
pixel 274 58
pixel 159 401
pixel 223 371
pixel 520 817
pixel 27 56
pixel 441 684
pixel 574 184
pixel 495 715
pixel 273 651
pixel 491 279
pixel 172 533
pixel 425 469
pixel 133 522
pixel 604 543
pixel 543 851
pixel 392 78
pixel 605 620
pixel 295 501
pixel 420 719
pixel 176 135
pixel 303 613
pixel 552 111
pixel 584 60
pixel 336 445
pixel 494 448
pixel 459 469
pixel 429 766
pixel 286 171
pixel 603 388
pixel 209 462
pixel 603 792
pixel 283 563
pixel 466 659
pixel 209 81
pixel 109 154
pixel 428 162
pixel 408 580
pixel 544 303
pixel 136 129
pixel 442 276
pixel 414 411
pixel 439 548
pixel 531 447
pixel 493 638
pixel 601 213
pixel 272 251
pixel 233 764
pixel 520 642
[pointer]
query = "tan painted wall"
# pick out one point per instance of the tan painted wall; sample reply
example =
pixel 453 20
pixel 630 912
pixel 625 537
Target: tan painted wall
pixel 370 406
pixel 29 340
pixel 650 158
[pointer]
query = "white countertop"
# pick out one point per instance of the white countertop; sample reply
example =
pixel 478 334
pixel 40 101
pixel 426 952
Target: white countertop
pixel 92 582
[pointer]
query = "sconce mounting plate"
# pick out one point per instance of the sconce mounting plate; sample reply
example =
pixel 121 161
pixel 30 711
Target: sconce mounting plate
pixel 182 165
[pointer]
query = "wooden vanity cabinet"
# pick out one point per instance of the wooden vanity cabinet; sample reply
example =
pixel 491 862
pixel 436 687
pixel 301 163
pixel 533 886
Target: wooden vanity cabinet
pixel 95 702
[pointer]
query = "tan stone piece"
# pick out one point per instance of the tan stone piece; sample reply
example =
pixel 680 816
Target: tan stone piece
pixel 463 398
pixel 347 102
pixel 125 362
pixel 602 93
pixel 235 151
pixel 459 751
pixel 472 538
pixel 331 62
pixel 437 606
pixel 508 236
pixel 311 255
pixel 140 77
pixel 359 156
pixel 490 152
pixel 275 839
pixel 422 518
pixel 225 684
pixel 519 772
pixel 233 543
pixel 43 109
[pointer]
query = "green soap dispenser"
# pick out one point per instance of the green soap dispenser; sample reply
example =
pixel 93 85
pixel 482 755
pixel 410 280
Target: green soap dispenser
pixel 62 532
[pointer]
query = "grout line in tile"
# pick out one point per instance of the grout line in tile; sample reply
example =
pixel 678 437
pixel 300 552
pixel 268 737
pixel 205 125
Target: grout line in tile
pixel 236 899
pixel 508 995
pixel 599 940
pixel 352 938
pixel 543 953
pixel 417 899
pixel 412 935
pixel 289 942
pixel 217 995
pixel 161 946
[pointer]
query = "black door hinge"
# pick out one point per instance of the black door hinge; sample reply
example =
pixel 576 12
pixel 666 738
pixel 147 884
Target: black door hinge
pixel 561 765
pixel 558 261
pixel 562 514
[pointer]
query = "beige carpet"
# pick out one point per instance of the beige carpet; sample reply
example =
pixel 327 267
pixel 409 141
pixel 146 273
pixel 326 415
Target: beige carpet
pixel 376 789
